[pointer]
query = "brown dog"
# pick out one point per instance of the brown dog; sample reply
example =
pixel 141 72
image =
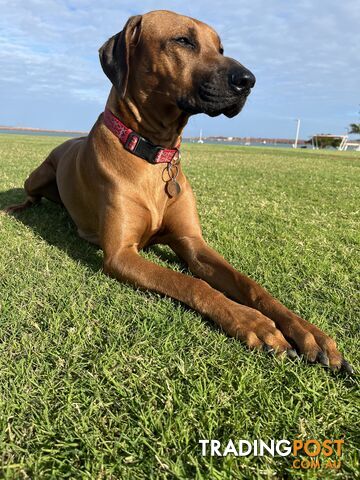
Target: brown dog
pixel 165 67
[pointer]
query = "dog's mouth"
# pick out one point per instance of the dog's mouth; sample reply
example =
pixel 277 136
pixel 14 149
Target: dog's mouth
pixel 214 102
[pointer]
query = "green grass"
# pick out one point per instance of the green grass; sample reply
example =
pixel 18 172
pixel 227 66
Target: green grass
pixel 99 381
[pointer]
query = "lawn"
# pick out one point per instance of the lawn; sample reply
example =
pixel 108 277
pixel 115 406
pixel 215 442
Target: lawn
pixel 100 381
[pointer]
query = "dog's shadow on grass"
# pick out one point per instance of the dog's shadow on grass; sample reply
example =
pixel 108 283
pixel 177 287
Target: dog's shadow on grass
pixel 52 223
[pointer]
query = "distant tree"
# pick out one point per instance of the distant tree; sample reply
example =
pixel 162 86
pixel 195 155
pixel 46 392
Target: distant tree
pixel 354 128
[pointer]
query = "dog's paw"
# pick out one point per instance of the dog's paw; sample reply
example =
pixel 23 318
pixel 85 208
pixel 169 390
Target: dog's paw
pixel 316 346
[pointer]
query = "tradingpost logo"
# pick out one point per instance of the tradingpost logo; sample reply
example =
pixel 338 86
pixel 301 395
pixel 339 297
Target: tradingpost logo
pixel 306 453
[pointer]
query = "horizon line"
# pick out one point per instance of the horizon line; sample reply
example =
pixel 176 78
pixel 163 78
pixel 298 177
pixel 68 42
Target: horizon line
pixel 35 129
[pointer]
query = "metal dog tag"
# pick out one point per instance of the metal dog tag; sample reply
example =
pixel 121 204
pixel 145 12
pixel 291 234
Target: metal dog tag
pixel 172 188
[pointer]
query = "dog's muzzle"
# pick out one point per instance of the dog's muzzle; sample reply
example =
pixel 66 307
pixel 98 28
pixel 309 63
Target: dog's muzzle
pixel 224 90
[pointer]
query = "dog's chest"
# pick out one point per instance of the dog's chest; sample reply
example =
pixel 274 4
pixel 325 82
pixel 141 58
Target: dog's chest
pixel 155 212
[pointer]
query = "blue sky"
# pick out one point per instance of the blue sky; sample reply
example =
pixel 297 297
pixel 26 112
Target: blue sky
pixel 305 55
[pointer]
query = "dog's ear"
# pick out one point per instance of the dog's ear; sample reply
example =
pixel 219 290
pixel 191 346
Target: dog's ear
pixel 115 54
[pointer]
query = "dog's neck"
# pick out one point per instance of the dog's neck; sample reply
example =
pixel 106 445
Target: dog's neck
pixel 162 128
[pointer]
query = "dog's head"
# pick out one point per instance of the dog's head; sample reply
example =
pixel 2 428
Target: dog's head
pixel 165 55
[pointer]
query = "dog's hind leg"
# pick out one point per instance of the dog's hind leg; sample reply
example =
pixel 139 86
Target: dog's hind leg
pixel 41 183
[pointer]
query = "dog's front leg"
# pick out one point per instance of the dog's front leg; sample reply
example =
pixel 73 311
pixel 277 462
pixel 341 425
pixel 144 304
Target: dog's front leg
pixel 239 321
pixel 207 264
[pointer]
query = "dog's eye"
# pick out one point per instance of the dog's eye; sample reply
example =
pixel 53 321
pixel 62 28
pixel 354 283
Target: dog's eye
pixel 221 51
pixel 186 42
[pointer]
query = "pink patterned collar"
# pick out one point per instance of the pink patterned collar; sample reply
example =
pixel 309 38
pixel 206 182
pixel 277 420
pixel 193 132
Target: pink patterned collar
pixel 138 145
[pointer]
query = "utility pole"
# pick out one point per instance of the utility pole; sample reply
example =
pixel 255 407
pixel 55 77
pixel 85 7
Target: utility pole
pixel 297 133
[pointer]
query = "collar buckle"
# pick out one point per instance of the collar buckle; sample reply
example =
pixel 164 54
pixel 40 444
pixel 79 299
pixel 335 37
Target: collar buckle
pixel 132 142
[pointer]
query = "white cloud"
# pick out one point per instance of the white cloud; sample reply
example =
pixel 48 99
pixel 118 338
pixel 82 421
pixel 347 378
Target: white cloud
pixel 304 54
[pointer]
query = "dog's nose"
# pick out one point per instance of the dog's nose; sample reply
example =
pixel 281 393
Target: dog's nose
pixel 241 79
